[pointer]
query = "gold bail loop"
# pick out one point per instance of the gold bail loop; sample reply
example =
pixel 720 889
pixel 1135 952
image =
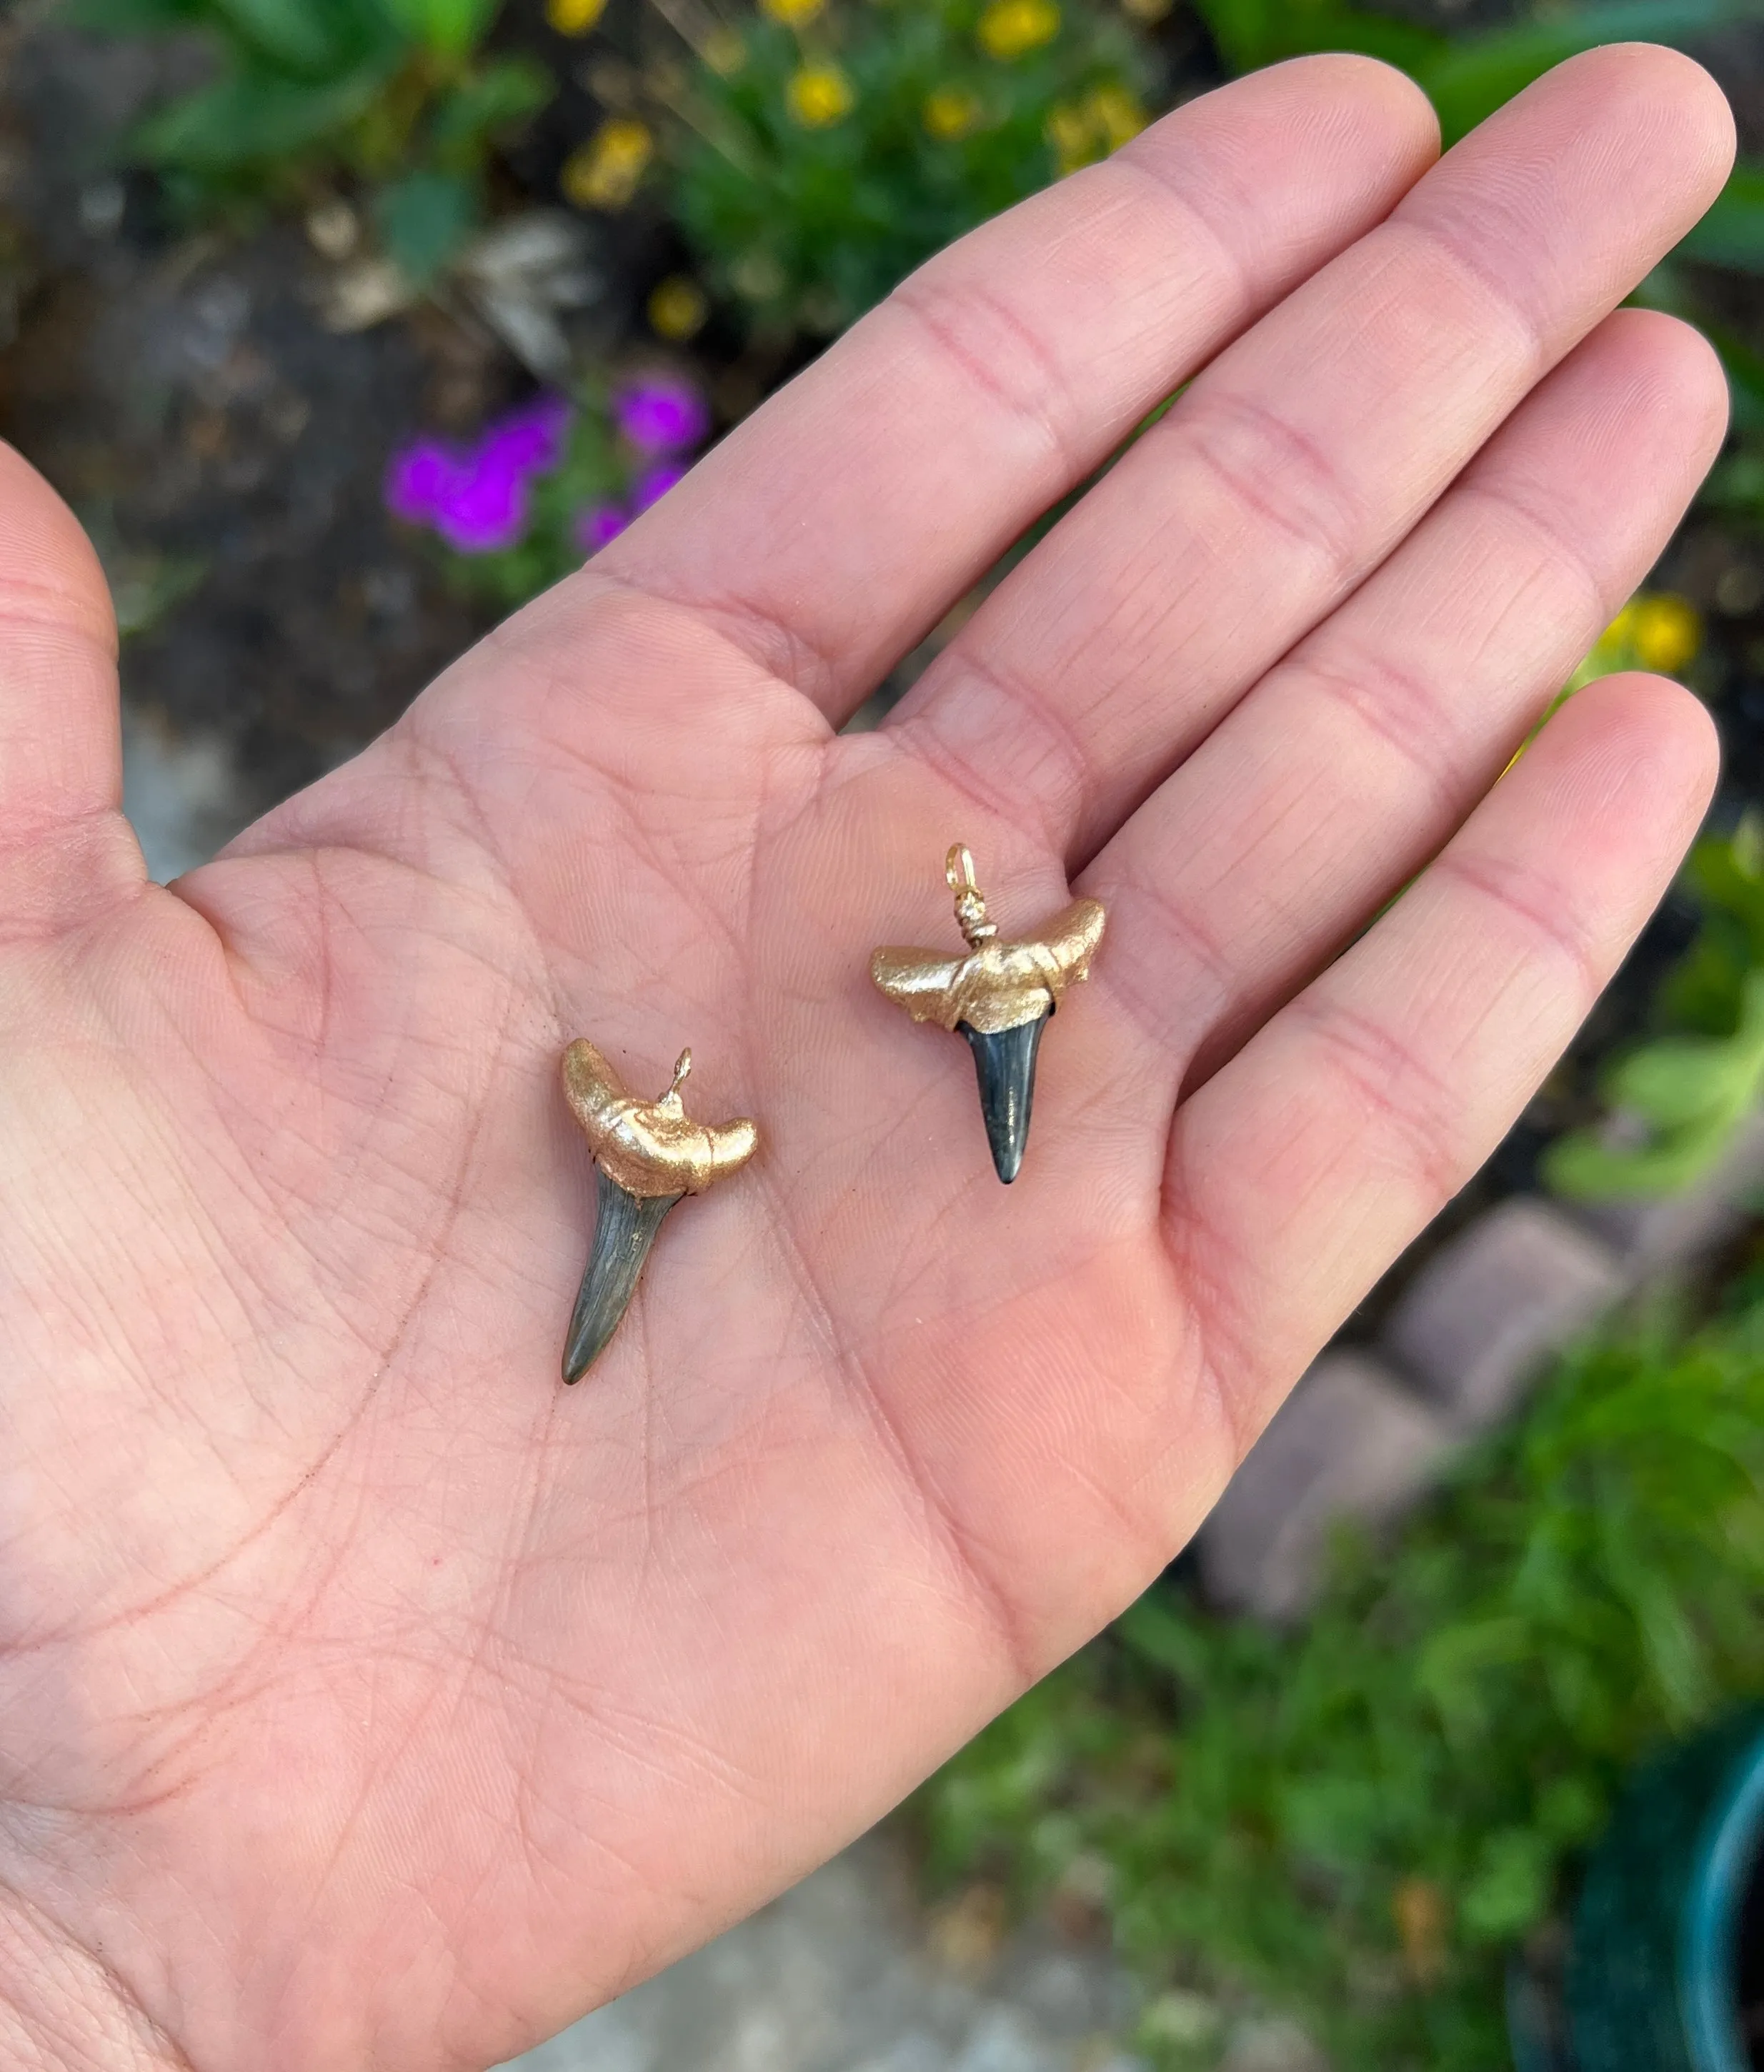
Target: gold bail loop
pixel 970 901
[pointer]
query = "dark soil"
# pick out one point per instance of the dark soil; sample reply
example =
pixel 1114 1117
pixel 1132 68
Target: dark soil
pixel 224 450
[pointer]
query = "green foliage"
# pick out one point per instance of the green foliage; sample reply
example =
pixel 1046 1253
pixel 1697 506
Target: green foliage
pixel 1353 1822
pixel 1249 34
pixel 1677 1099
pixel 423 219
pixel 450 27
pixel 306 89
pixel 1467 77
pixel 824 161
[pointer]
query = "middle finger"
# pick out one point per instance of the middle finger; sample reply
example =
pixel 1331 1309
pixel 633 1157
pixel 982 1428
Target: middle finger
pixel 1301 457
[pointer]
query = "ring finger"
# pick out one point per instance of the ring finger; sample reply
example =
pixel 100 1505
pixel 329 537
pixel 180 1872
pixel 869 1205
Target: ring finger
pixel 1355 759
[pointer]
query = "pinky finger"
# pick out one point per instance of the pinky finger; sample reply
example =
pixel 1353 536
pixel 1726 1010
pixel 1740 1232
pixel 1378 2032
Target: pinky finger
pixel 1299 1172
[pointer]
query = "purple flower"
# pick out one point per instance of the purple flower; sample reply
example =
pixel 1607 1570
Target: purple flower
pixel 477 500
pixel 654 482
pixel 529 440
pixel 596 524
pixel 662 414
pixel 484 511
pixel 417 479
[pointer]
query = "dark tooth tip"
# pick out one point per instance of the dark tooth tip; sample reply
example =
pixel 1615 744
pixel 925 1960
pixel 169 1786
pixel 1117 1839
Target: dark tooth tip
pixel 625 1227
pixel 1005 1067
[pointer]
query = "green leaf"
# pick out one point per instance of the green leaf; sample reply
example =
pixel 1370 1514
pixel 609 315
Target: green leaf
pixel 1253 33
pixel 1511 1887
pixel 252 119
pixel 498 97
pixel 1679 1082
pixel 1732 234
pixel 1470 79
pixel 452 28
pixel 1581 1169
pixel 1744 365
pixel 135 18
pixel 292 35
pixel 1570 1811
pixel 424 219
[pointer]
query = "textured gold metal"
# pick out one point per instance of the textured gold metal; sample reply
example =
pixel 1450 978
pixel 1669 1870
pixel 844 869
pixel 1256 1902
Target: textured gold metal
pixel 650 1148
pixel 998 985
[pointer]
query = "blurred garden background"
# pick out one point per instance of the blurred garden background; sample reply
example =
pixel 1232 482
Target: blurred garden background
pixel 347 325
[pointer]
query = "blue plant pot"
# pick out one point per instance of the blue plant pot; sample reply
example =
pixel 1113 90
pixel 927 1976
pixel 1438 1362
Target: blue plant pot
pixel 1653 1971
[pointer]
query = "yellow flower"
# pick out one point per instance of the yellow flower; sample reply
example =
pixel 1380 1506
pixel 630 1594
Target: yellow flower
pixel 1009 28
pixel 1071 132
pixel 724 51
pixel 1617 634
pixel 952 112
pixel 604 172
pixel 574 17
pixel 1083 131
pixel 1116 113
pixel 818 96
pixel 1665 631
pixel 793 14
pixel 1655 630
pixel 678 309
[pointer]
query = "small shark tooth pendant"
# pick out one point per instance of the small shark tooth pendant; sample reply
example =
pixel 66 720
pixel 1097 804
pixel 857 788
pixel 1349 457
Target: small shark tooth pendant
pixel 1000 996
pixel 647 1155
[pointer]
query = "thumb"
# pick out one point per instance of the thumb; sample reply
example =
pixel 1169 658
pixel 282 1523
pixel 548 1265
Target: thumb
pixel 66 851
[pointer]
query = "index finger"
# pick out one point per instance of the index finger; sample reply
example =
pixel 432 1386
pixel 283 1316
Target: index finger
pixel 830 530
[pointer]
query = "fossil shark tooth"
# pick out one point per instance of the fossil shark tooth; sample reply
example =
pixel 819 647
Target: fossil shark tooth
pixel 1005 1066
pixel 625 1227
pixel 1000 996
pixel 647 1155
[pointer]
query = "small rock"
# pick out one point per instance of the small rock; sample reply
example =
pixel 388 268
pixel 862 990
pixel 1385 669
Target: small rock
pixel 333 229
pixel 1002 2041
pixel 1349 1443
pixel 363 293
pixel 101 206
pixel 967 1934
pixel 182 798
pixel 1270 2044
pixel 1488 1309
pixel 1184 2020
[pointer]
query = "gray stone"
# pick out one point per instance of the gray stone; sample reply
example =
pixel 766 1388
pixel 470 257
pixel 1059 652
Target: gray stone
pixel 836 1976
pixel 1653 1235
pixel 1270 2044
pixel 1495 1303
pixel 1349 1443
pixel 182 798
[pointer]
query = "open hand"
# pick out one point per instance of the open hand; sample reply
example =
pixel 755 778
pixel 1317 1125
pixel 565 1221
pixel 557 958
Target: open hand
pixel 366 1698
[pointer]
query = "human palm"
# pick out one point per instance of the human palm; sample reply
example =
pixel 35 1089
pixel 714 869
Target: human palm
pixel 365 1698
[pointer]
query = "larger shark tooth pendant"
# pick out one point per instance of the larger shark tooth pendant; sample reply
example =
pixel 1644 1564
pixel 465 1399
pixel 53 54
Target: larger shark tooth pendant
pixel 647 1155
pixel 1000 996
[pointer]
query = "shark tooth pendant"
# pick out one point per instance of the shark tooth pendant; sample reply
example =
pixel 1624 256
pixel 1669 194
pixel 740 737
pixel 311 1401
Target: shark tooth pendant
pixel 647 1155
pixel 1000 996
